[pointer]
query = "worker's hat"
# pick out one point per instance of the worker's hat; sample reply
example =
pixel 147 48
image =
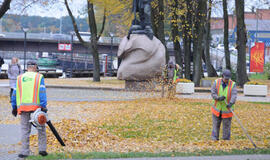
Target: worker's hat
pixel 227 74
pixel 31 63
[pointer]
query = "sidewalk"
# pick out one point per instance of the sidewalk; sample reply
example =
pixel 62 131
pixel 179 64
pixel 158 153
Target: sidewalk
pixel 111 84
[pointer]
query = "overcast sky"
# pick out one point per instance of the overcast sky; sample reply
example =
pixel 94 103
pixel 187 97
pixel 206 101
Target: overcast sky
pixel 58 9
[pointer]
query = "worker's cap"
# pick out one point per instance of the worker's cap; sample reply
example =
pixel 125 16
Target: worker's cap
pixel 31 63
pixel 227 74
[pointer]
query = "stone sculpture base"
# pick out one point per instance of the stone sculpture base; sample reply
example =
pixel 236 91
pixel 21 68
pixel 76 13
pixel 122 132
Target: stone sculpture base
pixel 143 85
pixel 142 58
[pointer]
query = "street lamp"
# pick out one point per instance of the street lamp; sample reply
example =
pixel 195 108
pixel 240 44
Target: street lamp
pixel 71 71
pixel 25 30
pixel 112 35
pixel 166 40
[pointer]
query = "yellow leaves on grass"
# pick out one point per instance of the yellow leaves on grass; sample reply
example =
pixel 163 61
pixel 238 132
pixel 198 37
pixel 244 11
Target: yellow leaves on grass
pixel 157 125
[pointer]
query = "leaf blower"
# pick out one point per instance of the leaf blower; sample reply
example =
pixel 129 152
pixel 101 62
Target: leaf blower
pixel 38 120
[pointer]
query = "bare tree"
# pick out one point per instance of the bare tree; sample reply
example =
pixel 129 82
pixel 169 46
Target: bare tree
pixel 198 40
pixel 241 75
pixel 226 35
pixel 92 46
pixel 187 27
pixel 175 33
pixel 210 69
pixel 4 7
pixel 157 13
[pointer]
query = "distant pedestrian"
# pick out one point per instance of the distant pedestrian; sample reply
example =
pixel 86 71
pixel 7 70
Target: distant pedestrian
pixel 1 63
pixel 14 70
pixel 224 93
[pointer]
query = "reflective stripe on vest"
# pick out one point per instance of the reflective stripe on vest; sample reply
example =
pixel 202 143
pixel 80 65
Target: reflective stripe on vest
pixel 36 88
pixel 32 106
pixel 216 111
pixel 20 86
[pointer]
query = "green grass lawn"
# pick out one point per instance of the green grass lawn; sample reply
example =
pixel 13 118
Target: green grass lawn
pixel 107 155
pixel 258 76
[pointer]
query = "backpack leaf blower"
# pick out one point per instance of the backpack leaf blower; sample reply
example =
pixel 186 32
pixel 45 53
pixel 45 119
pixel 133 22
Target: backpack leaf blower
pixel 38 120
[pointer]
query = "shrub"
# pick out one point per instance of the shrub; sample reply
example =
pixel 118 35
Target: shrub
pixel 254 83
pixel 182 80
pixel 267 69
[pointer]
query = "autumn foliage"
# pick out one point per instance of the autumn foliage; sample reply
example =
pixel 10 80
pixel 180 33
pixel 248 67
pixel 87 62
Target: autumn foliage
pixel 152 125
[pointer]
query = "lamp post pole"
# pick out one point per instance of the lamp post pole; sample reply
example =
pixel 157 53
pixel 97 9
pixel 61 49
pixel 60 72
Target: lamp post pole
pixel 71 72
pixel 112 35
pixel 24 55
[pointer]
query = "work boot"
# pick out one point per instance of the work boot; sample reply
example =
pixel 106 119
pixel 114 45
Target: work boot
pixel 22 156
pixel 43 153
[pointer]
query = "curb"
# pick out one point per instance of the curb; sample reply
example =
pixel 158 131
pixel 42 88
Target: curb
pixel 199 90
pixel 86 88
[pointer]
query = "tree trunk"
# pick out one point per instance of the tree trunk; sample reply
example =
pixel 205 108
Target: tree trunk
pixel 158 23
pixel 241 76
pixel 94 37
pixel 186 23
pixel 93 30
pixel 226 35
pixel 199 29
pixel 175 34
pixel 4 8
pixel 210 69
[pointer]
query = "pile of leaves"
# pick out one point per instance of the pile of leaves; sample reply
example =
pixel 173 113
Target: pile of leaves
pixel 254 83
pixel 155 125
pixel 182 80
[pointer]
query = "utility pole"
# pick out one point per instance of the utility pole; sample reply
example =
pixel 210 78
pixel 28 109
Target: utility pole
pixel 71 44
pixel 257 24
pixel 60 25
pixel 25 30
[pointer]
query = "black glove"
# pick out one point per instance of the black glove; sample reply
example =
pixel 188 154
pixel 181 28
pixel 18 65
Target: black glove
pixel 229 105
pixel 220 98
pixel 44 109
pixel 14 112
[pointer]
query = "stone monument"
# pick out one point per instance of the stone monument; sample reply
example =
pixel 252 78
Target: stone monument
pixel 142 54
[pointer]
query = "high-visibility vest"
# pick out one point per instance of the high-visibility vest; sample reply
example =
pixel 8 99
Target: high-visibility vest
pixel 175 75
pixel 220 106
pixel 27 92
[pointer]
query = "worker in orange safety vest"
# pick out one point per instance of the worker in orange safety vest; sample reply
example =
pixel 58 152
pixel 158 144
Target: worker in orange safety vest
pixel 29 95
pixel 223 89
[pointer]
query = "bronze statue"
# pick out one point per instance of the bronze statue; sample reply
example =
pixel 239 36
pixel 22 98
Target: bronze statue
pixel 142 26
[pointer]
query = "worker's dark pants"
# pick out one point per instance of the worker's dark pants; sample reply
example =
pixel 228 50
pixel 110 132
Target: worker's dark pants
pixel 10 93
pixel 226 127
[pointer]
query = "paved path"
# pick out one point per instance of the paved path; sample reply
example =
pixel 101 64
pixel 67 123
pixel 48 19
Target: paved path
pixel 67 94
pixel 9 138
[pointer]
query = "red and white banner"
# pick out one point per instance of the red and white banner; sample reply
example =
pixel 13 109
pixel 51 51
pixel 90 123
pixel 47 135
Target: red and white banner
pixel 64 47
pixel 257 58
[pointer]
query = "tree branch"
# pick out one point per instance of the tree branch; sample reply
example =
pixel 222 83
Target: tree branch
pixel 4 8
pixel 103 25
pixel 92 21
pixel 28 5
pixel 75 25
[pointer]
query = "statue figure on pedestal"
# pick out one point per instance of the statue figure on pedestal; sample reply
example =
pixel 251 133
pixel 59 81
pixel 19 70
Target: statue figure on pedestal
pixel 143 25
